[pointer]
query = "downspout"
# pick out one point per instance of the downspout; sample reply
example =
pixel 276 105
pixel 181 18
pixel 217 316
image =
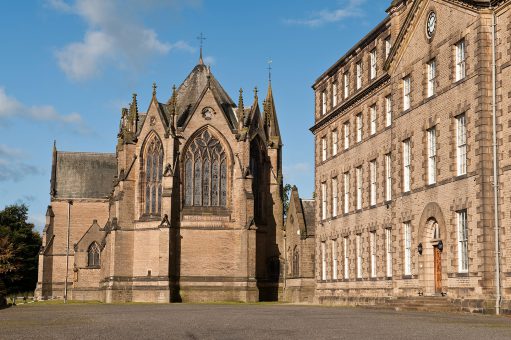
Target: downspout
pixel 69 203
pixel 495 164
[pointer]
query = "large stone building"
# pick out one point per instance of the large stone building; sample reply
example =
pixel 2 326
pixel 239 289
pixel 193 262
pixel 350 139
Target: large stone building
pixel 413 152
pixel 186 209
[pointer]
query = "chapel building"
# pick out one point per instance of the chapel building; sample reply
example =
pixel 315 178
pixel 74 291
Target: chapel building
pixel 300 245
pixel 413 158
pixel 186 209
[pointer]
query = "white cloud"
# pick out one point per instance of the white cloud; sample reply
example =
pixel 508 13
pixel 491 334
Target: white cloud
pixel 12 166
pixel 6 151
pixel 350 9
pixel 83 59
pixel 11 107
pixel 60 5
pixel 13 169
pixel 114 35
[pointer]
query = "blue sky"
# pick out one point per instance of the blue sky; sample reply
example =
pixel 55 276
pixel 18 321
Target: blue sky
pixel 68 66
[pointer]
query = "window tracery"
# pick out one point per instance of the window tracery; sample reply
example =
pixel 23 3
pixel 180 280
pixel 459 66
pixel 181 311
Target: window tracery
pixel 205 172
pixel 93 258
pixel 153 177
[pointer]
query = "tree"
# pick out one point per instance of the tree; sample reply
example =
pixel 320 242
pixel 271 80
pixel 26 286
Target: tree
pixel 19 249
pixel 285 197
pixel 6 265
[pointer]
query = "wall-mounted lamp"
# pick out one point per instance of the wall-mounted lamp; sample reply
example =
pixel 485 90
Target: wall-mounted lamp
pixel 440 245
pixel 419 248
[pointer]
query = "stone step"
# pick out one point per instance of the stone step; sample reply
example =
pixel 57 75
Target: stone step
pixel 429 304
pixel 435 309
pixel 419 302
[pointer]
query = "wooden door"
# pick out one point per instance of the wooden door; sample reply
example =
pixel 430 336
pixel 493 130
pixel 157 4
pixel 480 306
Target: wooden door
pixel 438 270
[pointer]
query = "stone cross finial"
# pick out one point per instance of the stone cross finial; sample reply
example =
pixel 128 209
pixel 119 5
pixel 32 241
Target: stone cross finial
pixel 201 38
pixel 154 88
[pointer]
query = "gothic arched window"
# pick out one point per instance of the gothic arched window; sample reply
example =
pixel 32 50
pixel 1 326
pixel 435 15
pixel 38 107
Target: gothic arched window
pixel 153 175
pixel 93 255
pixel 205 168
pixel 296 262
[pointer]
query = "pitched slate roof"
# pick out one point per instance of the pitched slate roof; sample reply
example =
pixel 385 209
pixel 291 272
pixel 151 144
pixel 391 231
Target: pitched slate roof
pixel 304 211
pixel 83 174
pixel 309 215
pixel 192 88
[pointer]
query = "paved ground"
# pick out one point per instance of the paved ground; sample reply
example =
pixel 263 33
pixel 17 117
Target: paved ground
pixel 232 321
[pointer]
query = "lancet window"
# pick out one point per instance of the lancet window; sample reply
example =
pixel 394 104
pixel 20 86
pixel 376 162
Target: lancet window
pixel 93 255
pixel 205 170
pixel 153 176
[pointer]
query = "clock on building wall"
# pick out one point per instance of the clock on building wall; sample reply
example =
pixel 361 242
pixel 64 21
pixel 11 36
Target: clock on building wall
pixel 431 24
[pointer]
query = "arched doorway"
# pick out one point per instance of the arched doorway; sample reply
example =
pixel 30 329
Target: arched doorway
pixel 432 261
pixel 432 253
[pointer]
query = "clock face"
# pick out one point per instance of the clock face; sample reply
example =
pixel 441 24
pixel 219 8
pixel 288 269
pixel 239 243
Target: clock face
pixel 431 24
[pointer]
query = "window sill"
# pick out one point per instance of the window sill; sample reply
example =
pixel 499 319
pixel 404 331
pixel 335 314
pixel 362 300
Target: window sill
pixel 431 97
pixel 459 81
pixel 460 177
pixel 149 218
pixel 92 267
pixel 407 277
pixel 197 210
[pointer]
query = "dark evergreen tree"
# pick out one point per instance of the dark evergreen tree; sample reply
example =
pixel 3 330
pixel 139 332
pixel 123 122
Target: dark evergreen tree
pixel 19 248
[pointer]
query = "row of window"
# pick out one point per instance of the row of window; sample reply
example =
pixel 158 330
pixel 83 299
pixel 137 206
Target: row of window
pixel 359 133
pixel 205 174
pixel 459 74
pixel 388 250
pixel 359 70
pixel 461 162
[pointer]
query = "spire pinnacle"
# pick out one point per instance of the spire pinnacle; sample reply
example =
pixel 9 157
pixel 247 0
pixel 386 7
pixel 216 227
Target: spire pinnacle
pixel 201 38
pixel 241 110
pixel 255 93
pixel 173 108
pixel 271 124
pixel 154 88
pixel 173 100
pixel 133 114
pixel 269 69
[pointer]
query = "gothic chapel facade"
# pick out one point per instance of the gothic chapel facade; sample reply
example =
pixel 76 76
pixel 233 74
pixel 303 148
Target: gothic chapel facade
pixel 187 209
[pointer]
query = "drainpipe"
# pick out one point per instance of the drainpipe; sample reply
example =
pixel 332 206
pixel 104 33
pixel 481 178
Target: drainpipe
pixel 69 203
pixel 495 164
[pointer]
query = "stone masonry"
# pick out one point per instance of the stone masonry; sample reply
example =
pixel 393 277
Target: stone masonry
pixel 405 46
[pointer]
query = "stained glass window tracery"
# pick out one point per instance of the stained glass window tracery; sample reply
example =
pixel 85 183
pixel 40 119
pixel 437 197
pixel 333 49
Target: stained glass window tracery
pixel 153 177
pixel 93 255
pixel 205 184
